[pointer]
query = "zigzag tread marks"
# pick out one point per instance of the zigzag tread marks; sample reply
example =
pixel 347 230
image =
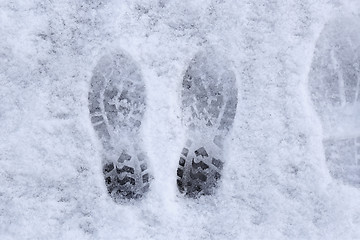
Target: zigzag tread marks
pixel 209 102
pixel 122 181
pixel 195 177
pixel 117 105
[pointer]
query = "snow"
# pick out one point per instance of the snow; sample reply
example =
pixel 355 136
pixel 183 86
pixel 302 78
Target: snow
pixel 276 183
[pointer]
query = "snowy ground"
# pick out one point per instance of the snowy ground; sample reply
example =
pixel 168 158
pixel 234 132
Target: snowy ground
pixel 276 183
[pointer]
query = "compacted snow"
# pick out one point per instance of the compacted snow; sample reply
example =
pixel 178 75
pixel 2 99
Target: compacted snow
pixel 290 160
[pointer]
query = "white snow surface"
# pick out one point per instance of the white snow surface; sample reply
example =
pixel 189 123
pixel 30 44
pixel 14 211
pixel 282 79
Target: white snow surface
pixel 275 183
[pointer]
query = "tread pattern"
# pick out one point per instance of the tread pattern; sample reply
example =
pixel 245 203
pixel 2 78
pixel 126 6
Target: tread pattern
pixel 334 83
pixel 124 181
pixel 198 173
pixel 209 100
pixel 116 106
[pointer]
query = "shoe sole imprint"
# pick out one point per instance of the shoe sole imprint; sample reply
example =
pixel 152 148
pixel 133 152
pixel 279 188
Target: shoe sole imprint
pixel 209 100
pixel 117 105
pixel 334 82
